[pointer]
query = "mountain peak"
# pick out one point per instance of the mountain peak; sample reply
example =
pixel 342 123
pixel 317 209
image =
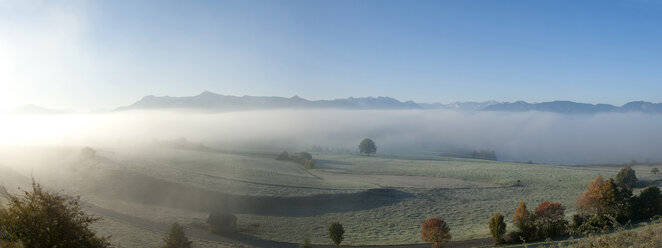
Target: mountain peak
pixel 208 93
pixel 38 110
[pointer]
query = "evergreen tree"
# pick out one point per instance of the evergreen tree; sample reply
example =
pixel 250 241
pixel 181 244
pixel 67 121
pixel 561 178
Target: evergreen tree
pixel 176 238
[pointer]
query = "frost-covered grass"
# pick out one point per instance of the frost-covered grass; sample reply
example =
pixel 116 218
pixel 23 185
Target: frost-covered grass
pixel 467 210
pixel 232 173
pixel 124 235
pixel 465 207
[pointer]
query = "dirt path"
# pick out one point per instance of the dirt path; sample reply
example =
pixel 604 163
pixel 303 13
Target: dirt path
pixel 253 241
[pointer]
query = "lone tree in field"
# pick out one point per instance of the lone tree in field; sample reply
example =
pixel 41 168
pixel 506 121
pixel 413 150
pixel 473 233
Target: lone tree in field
pixel 176 238
pixel 626 178
pixel 367 147
pixel 336 233
pixel 655 171
pixel 435 230
pixel 497 228
pixel 43 219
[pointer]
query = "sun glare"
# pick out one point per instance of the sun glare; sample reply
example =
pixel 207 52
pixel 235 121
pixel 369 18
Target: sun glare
pixel 42 129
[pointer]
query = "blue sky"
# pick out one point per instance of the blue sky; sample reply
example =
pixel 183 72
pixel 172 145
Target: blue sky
pixel 102 54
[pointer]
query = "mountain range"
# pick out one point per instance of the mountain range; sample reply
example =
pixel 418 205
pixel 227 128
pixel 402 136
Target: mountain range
pixel 32 109
pixel 209 101
pixel 212 101
pixel 568 107
pixel 216 102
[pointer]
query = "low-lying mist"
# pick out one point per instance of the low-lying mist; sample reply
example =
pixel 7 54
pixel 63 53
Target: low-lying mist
pixel 522 136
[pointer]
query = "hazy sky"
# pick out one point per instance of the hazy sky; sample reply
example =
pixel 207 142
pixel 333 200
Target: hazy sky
pixel 102 54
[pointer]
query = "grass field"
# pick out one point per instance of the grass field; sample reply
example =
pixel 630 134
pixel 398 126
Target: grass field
pixel 466 209
pixel 123 235
pixel 231 173
pixel 465 192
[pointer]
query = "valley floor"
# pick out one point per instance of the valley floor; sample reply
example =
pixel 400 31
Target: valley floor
pixel 379 200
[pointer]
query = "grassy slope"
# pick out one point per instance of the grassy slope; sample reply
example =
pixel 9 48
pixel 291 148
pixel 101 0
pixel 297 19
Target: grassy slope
pixel 231 173
pixel 466 209
pixel 126 235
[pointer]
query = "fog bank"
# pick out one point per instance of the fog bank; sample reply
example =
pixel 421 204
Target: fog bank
pixel 536 136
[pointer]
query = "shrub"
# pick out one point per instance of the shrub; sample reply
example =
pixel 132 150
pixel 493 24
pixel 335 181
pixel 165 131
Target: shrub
pixel 176 238
pixel 302 158
pixel 305 155
pixel 497 228
pixel 513 237
pixel 655 171
pixel 336 233
pixel 222 223
pixel 599 198
pixel 43 219
pixel 550 220
pixel 625 205
pixel 649 202
pixel 310 164
pixel 596 223
pixel 605 199
pixel 283 156
pixel 523 220
pixel 626 178
pixel 306 243
pixel 650 236
pixel 577 221
pixel 87 153
pixel 435 230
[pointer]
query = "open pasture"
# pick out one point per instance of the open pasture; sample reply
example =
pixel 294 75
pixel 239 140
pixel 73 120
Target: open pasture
pixel 467 209
pixel 230 173
pixel 379 200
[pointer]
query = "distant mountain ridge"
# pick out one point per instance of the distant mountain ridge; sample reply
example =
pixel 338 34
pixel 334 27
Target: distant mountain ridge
pixel 212 101
pixel 459 105
pixel 216 102
pixel 32 109
pixel 568 107
pixel 209 101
